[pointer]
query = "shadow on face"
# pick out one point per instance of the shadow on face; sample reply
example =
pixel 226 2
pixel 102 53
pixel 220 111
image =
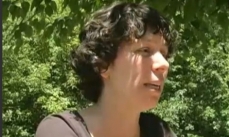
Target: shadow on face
pixel 138 73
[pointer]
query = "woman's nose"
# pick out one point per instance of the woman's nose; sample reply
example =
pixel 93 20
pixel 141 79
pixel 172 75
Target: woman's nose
pixel 160 64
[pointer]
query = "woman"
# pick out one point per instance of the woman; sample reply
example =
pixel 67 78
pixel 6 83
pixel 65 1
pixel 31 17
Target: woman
pixel 121 64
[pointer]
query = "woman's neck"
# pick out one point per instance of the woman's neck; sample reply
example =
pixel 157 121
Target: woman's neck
pixel 112 119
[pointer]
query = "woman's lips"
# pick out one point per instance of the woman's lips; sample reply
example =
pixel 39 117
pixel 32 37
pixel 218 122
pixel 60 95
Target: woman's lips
pixel 153 86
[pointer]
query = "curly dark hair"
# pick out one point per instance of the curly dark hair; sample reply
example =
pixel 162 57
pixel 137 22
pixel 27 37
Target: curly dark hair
pixel 102 35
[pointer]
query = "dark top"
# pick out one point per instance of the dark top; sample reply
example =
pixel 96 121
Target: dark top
pixel 71 124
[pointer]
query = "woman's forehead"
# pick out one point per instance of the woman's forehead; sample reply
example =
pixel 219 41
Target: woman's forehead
pixel 151 39
pixel 148 38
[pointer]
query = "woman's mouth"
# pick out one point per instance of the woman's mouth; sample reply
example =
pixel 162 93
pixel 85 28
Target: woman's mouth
pixel 153 86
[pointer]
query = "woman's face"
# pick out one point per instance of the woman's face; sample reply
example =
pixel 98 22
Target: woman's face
pixel 137 75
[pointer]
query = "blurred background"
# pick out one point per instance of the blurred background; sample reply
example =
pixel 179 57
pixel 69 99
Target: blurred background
pixel 38 80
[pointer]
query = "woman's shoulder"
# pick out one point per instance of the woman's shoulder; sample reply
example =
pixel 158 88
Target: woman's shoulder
pixel 66 123
pixel 153 124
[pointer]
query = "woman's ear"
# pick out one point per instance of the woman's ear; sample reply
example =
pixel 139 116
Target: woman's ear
pixel 105 73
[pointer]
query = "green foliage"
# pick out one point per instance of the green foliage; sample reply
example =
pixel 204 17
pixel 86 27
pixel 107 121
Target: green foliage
pixel 38 80
pixel 196 93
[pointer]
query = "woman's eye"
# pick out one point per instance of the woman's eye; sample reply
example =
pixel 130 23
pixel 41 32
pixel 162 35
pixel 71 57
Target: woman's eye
pixel 144 52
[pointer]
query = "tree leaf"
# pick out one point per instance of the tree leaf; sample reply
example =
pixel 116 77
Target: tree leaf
pixel 17 3
pixel 5 9
pixel 73 4
pixel 12 10
pixel 19 43
pixel 17 34
pixel 47 2
pixel 25 6
pixel 159 5
pixel 190 8
pixel 65 4
pixel 57 40
pixel 172 8
pixel 63 32
pixel 41 25
pixel 222 3
pixel 54 6
pixel 35 24
pixel 48 31
pixel 22 13
pixel 22 26
pixel 40 9
pixel 70 24
pixel 48 10
pixel 35 3
pixel 196 24
pixel 223 20
pixel 29 31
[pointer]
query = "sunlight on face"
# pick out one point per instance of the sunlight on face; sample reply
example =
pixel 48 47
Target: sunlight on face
pixel 139 71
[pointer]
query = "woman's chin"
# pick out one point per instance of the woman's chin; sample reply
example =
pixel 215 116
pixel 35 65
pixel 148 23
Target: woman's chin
pixel 148 106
